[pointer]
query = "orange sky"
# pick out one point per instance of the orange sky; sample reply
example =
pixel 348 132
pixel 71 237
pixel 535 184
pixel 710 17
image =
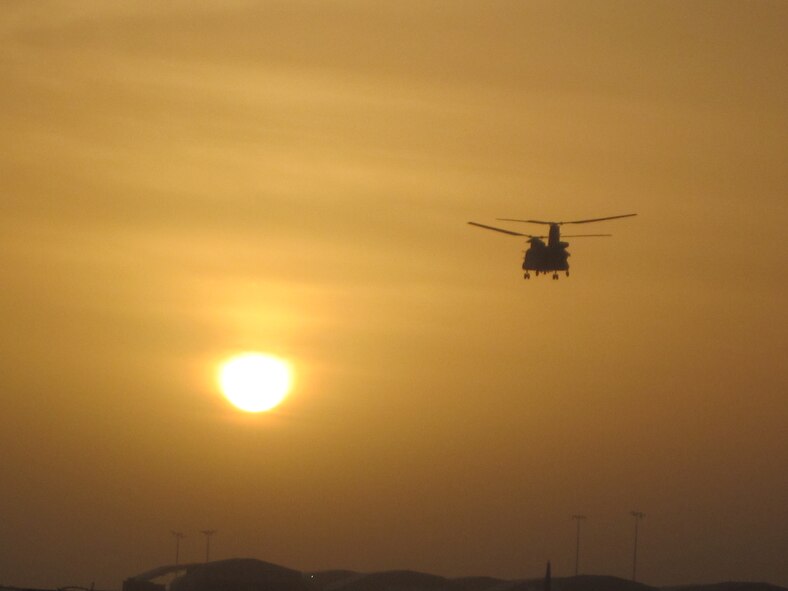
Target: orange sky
pixel 181 182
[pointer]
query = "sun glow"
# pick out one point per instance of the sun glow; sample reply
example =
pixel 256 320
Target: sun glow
pixel 254 382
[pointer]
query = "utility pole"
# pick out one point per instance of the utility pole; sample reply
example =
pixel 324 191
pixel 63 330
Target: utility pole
pixel 548 578
pixel 178 536
pixel 638 518
pixel 578 518
pixel 208 533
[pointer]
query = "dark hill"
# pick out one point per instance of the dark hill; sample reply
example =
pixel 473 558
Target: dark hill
pixel 256 575
pixel 729 586
pixel 579 583
pixel 598 583
pixel 327 579
pixel 241 574
pixel 477 583
pixel 399 580
pixel 416 581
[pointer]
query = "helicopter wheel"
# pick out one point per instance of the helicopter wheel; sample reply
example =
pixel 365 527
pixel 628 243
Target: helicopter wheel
pixel 567 273
pixel 555 276
pixel 527 276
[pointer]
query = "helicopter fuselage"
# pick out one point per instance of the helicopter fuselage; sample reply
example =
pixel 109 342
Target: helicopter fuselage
pixel 546 258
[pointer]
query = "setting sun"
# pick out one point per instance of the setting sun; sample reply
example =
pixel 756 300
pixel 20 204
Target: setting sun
pixel 255 382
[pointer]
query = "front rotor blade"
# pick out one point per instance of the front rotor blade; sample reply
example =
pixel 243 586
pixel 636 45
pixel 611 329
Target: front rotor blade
pixel 613 217
pixel 525 221
pixel 499 230
pixel 584 235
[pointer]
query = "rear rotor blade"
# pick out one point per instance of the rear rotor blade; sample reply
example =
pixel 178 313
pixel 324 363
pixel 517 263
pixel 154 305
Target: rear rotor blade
pixel 500 230
pixel 612 217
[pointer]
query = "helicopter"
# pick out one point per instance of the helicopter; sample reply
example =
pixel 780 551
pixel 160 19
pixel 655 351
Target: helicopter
pixel 553 256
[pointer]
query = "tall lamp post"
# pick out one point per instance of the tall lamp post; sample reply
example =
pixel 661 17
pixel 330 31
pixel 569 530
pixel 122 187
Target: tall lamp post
pixel 208 533
pixel 638 518
pixel 578 519
pixel 178 536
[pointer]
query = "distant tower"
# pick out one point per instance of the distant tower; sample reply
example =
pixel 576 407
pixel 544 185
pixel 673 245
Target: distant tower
pixel 578 518
pixel 638 517
pixel 207 533
pixel 178 536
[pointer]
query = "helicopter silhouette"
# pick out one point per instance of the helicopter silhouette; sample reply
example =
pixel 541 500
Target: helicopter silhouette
pixel 553 256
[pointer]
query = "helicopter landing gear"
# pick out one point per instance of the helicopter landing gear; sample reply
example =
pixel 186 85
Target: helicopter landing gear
pixel 555 276
pixel 567 273
pixel 527 276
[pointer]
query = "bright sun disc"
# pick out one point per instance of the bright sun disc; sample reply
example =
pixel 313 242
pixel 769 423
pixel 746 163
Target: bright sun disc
pixel 254 382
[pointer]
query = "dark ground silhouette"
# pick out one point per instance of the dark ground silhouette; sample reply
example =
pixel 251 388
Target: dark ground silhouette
pixel 248 574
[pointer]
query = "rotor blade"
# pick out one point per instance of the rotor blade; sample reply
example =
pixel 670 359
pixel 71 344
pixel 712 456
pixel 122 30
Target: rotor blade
pixel 613 217
pixel 584 235
pixel 526 221
pixel 499 230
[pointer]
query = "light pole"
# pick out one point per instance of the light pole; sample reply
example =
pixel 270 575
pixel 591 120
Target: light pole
pixel 638 518
pixel 208 533
pixel 578 518
pixel 178 535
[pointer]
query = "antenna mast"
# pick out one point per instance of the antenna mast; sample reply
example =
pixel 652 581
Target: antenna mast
pixel 578 518
pixel 178 536
pixel 208 533
pixel 638 518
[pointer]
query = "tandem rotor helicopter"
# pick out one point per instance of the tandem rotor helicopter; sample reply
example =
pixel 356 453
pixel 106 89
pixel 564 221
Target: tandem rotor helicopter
pixel 551 257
